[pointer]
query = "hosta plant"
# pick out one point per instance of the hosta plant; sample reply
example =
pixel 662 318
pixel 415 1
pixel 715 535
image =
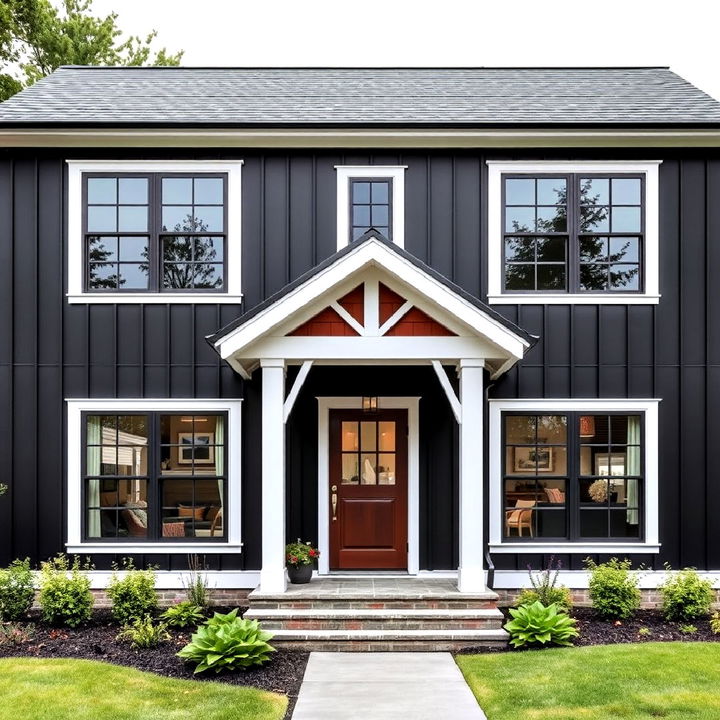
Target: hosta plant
pixel 184 614
pixel 227 642
pixel 539 625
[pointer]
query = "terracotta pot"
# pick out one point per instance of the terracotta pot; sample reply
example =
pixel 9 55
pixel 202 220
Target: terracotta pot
pixel 300 574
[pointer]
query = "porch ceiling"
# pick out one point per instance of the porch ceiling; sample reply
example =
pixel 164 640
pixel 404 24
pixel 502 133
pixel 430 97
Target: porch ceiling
pixel 371 303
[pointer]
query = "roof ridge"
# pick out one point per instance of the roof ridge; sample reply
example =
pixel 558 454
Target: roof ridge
pixel 364 67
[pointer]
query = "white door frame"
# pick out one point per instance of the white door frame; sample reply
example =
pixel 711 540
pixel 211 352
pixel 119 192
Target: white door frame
pixel 411 404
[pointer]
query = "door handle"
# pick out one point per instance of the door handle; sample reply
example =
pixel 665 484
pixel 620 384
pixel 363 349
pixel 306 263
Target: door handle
pixel 333 500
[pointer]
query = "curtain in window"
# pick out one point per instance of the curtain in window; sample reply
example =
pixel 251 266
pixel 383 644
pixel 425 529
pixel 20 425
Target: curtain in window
pixel 220 460
pixel 94 458
pixel 633 467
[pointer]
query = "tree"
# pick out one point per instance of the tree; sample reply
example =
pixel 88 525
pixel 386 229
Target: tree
pixel 36 38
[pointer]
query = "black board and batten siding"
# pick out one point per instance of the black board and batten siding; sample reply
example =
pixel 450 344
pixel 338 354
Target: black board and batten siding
pixel 50 350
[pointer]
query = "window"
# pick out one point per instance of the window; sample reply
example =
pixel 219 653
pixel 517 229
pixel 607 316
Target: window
pixel 572 476
pixel 154 231
pixel 569 475
pixel 155 476
pixel 583 232
pixel 370 197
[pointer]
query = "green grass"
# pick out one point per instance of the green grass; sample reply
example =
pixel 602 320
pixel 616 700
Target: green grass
pixel 634 682
pixel 87 690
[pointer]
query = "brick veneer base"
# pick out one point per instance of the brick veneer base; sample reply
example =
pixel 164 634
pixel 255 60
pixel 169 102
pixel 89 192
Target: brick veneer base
pixel 650 598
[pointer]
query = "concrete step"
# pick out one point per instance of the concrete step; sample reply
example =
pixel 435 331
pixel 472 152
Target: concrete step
pixel 373 602
pixel 331 618
pixel 389 640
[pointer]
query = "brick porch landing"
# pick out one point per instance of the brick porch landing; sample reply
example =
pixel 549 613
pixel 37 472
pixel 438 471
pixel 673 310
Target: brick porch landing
pixel 379 613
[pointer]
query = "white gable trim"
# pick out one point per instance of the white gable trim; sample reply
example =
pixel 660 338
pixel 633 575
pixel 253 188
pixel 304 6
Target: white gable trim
pixel 368 254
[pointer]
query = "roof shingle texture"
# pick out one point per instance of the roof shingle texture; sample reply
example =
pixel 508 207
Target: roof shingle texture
pixel 362 97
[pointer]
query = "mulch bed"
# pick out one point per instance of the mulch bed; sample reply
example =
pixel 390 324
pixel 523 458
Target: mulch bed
pixel 96 641
pixel 596 631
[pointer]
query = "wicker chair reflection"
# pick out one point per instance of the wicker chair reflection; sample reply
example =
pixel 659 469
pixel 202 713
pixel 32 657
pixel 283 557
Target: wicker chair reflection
pixel 520 517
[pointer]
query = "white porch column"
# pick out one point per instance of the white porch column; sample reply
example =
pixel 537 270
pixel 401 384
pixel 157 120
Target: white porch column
pixel 472 399
pixel 272 573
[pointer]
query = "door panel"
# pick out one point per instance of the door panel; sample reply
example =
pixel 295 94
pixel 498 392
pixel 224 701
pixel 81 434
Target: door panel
pixel 368 482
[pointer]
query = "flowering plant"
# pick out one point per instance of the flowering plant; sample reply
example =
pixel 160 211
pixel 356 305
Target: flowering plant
pixel 300 553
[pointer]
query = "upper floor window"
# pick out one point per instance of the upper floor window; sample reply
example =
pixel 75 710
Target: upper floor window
pixel 154 231
pixel 370 198
pixel 583 232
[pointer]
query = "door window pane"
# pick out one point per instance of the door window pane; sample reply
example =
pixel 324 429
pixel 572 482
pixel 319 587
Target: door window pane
pixel 349 433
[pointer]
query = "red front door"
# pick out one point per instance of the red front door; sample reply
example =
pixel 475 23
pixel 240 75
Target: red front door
pixel 368 489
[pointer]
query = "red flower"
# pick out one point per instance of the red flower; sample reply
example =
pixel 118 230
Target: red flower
pixel 312 553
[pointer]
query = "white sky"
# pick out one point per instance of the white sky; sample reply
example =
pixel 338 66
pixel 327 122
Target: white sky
pixel 684 34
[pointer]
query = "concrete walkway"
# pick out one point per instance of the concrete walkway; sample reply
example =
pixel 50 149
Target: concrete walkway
pixel 384 686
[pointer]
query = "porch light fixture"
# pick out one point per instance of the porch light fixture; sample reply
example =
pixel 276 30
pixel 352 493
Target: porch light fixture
pixel 587 426
pixel 369 404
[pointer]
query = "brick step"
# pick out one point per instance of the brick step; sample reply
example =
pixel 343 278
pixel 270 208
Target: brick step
pixel 461 602
pixel 388 640
pixel 376 619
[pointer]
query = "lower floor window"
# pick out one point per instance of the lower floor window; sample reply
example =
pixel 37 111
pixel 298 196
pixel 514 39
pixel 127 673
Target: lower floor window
pixel 573 475
pixel 154 476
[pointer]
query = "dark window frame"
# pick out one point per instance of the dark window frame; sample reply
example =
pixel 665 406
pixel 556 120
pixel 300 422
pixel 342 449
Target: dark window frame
pixel 155 233
pixel 380 178
pixel 573 234
pixel 572 479
pixel 154 479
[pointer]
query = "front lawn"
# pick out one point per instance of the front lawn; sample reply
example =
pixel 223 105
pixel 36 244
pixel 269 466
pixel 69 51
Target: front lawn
pixel 88 690
pixel 648 680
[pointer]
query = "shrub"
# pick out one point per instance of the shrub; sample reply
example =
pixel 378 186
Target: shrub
pixel 644 632
pixel 133 596
pixel 17 590
pixel 613 591
pixel 715 623
pixel 227 642
pixel 183 615
pixel 539 625
pixel 144 633
pixel 545 588
pixel 196 586
pixel 686 596
pixel 688 629
pixel 65 597
pixel 15 634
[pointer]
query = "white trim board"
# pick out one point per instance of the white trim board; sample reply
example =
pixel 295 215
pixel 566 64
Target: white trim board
pixel 233 254
pixel 579 579
pixel 347 172
pixel 648 407
pixel 651 267
pixel 177 579
pixel 411 404
pixel 76 407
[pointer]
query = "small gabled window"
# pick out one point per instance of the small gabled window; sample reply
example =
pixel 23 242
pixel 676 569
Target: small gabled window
pixel 370 198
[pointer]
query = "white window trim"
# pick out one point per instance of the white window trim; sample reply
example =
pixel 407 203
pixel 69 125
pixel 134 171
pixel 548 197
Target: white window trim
pixel 75 408
pixel 394 172
pixel 651 270
pixel 233 255
pixel 649 408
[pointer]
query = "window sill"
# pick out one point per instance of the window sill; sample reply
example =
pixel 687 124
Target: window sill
pixel 573 548
pixel 155 548
pixel 154 298
pixel 571 299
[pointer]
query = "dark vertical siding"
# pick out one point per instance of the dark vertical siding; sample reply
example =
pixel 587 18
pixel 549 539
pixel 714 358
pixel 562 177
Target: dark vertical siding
pixel 50 350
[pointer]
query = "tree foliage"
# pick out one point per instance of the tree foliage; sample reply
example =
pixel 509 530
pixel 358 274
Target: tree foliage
pixel 36 38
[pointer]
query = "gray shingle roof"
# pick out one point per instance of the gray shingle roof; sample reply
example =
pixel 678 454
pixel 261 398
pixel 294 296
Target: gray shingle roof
pixel 362 97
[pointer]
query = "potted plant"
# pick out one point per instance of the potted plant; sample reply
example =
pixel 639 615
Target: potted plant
pixel 299 558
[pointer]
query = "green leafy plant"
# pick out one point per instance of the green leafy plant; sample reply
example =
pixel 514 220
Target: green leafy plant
pixel 15 633
pixel 686 596
pixel 644 632
pixel 183 614
pixel 65 597
pixel 715 623
pixel 17 590
pixel 545 588
pixel 196 586
pixel 613 590
pixel 3 489
pixel 300 553
pixel 144 633
pixel 688 629
pixel 133 594
pixel 539 625
pixel 227 642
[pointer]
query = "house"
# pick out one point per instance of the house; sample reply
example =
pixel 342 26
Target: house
pixel 445 323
